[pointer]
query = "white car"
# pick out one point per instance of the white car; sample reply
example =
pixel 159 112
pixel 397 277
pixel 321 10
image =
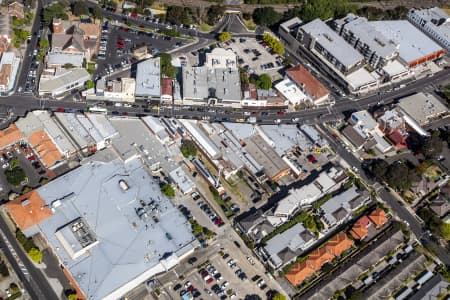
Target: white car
pixel 6 165
pixel 277 121
pixel 187 284
pixel 224 285
pixel 250 260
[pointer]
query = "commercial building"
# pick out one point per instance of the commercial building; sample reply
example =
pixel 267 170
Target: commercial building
pixel 283 248
pixel 10 136
pixel 47 138
pixel 323 41
pixel 9 66
pixel 167 90
pixel 257 98
pixel 156 127
pixel 372 44
pixel 434 22
pixel 421 108
pixel 109 226
pixel 415 47
pixel 220 58
pixel 212 86
pixel 99 128
pixel 113 90
pixel 309 84
pixel 337 245
pixel 62 81
pixel 148 79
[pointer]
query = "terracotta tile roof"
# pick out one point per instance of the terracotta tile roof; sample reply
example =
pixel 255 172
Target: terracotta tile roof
pixel 166 88
pixel 338 244
pixel 299 273
pixel 45 147
pixel 378 217
pixel 312 86
pixel 90 29
pixel 9 136
pixel 319 257
pixel 359 230
pixel 28 210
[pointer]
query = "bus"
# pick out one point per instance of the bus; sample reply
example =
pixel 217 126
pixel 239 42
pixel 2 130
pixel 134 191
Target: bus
pixel 98 109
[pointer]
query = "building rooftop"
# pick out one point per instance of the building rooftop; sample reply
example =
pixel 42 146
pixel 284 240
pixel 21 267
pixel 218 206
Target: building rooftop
pixel 291 24
pixel 75 129
pixel 310 84
pixel 155 126
pixel 220 58
pixel 284 137
pixel 148 78
pixel 314 135
pixel 67 78
pixel 102 125
pixel 361 77
pixel 28 210
pixel 274 166
pixel 290 91
pixel 126 230
pixel 45 148
pixel 378 217
pixel 370 36
pixel 413 44
pixel 364 119
pixel 340 206
pixel 422 107
pixel 333 43
pixel 55 58
pixel 436 18
pixel 9 136
pixel 293 239
pixel 135 139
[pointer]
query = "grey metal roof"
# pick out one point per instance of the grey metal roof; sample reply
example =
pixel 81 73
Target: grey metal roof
pixel 332 209
pixel 75 129
pixel 294 238
pixel 285 137
pixel 375 40
pixel 62 58
pixel 131 248
pixel 422 106
pixel 414 44
pixel 204 83
pixel 58 82
pixel 148 78
pixel 332 43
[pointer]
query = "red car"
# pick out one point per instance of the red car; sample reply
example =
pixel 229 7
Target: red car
pixel 60 109
pixel 311 158
pixel 120 46
pixel 124 29
pixel 190 288
pixel 204 274
pixel 210 280
pixel 281 113
pixel 134 15
pixel 32 157
pixel 120 40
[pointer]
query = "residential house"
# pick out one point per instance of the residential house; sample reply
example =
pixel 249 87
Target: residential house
pixel 360 230
pixel 393 125
pixel 337 245
pixel 378 217
pixel 15 9
pixel 440 207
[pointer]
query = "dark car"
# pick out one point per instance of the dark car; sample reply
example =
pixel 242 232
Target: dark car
pixel 237 244
pixel 177 287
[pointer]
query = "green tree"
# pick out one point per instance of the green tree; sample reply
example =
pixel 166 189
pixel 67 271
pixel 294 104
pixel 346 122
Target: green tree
pixel 57 10
pixel 214 14
pixel 188 148
pixel 445 230
pixel 273 43
pixel 43 43
pixel 167 68
pixel 97 12
pixel 224 36
pixel 278 296
pixel 89 84
pixel 178 15
pixel 264 82
pixel 80 8
pixel 266 16
pixel 432 146
pixel 168 190
pixel 15 176
pixel 35 255
pixel 72 297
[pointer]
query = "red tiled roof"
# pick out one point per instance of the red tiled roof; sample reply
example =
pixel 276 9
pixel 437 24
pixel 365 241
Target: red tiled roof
pixel 166 88
pixel 359 230
pixel 9 136
pixel 28 210
pixel 398 138
pixel 378 217
pixel 338 244
pixel 312 86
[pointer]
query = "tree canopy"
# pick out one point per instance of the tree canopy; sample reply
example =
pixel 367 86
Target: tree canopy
pixel 278 296
pixel 224 36
pixel 445 230
pixel 97 12
pixel 167 68
pixel 179 15
pixel 432 146
pixel 168 190
pixel 264 82
pixel 80 8
pixel 266 16
pixel 57 10
pixel 188 148
pixel 273 43
pixel 35 255
pixel 398 175
pixel 214 14
pixel 15 176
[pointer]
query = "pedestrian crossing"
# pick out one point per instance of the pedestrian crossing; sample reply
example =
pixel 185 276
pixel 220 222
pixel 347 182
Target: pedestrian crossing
pixel 14 254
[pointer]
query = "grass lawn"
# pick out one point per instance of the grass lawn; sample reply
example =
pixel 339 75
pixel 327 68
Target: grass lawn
pixel 205 27
pixel 249 24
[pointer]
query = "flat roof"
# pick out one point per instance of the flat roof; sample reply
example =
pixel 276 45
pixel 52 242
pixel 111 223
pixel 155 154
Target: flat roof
pixel 422 106
pixel 290 91
pixel 59 81
pixel 436 18
pixel 75 129
pixel 102 125
pixel 284 137
pixel 221 58
pixel 370 36
pixel 62 58
pixel 148 78
pixel 135 139
pixel 361 77
pixel 181 179
pixel 394 67
pixel 201 138
pixel 333 43
pixel 139 231
pixel 413 43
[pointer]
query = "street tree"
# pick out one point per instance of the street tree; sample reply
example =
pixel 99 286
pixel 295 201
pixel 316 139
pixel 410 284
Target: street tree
pixel 264 82
pixel 224 36
pixel 80 8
